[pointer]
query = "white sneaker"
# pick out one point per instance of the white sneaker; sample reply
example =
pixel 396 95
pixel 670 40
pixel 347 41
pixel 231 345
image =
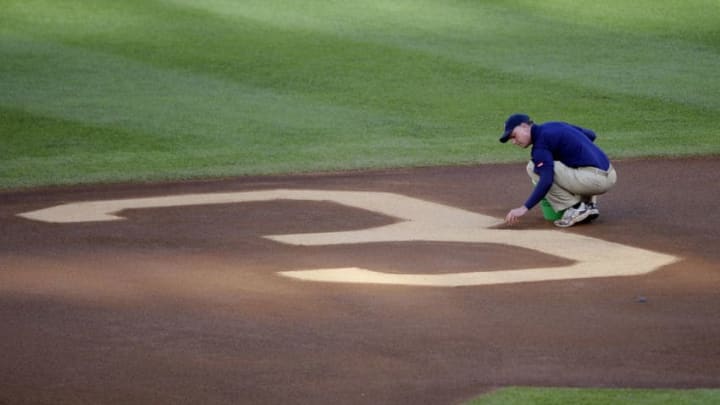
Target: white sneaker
pixel 573 215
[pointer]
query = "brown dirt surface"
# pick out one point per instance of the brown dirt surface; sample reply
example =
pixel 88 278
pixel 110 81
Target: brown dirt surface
pixel 185 304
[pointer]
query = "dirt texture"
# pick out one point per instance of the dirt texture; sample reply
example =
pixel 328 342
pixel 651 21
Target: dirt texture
pixel 185 304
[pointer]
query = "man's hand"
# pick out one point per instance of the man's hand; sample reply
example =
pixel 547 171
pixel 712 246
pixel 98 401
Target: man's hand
pixel 513 217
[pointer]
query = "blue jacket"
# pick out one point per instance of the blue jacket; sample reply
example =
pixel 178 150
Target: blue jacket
pixel 560 141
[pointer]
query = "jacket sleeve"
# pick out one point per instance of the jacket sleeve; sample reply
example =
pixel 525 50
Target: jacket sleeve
pixel 545 169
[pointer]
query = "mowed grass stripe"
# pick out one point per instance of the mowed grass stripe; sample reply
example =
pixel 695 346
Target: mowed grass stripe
pixel 190 112
pixel 592 56
pixel 192 115
pixel 233 88
pixel 478 59
pixel 284 39
pixel 362 81
pixel 102 88
pixel 695 21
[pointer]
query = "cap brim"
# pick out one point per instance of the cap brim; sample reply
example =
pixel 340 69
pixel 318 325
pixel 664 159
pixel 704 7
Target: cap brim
pixel 505 136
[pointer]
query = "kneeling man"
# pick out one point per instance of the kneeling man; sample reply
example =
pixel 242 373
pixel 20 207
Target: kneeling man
pixel 568 168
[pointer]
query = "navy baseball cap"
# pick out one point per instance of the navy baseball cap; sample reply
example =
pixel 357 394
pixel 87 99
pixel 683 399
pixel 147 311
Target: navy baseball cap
pixel 513 121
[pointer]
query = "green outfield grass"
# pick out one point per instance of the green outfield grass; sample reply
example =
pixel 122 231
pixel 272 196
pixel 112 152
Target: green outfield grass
pixel 575 396
pixel 105 91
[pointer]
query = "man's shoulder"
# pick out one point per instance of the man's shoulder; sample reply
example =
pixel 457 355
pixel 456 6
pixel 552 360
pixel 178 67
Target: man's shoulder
pixel 554 125
pixel 560 129
pixel 548 131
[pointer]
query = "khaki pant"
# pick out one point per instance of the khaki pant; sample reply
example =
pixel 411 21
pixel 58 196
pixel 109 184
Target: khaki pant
pixel 572 185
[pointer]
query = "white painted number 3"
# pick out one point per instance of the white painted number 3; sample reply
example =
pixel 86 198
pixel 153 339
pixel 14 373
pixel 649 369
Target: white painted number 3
pixel 418 220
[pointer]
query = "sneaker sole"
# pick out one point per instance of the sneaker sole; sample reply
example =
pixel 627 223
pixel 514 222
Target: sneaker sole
pixel 594 214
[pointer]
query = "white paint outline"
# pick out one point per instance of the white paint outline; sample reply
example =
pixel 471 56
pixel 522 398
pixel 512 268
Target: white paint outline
pixel 419 220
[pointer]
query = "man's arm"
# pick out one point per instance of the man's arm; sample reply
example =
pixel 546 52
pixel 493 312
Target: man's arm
pixel 546 180
pixel 546 173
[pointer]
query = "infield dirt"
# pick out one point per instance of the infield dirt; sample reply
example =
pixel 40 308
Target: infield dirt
pixel 185 304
